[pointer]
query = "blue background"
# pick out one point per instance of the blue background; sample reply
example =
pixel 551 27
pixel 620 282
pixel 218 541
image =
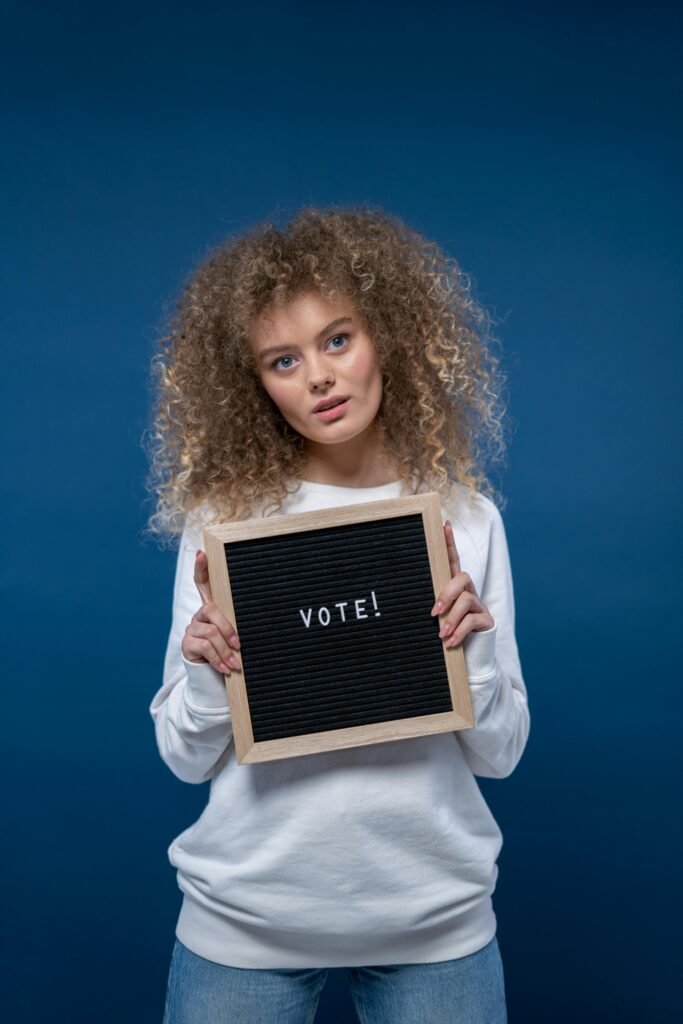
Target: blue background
pixel 540 145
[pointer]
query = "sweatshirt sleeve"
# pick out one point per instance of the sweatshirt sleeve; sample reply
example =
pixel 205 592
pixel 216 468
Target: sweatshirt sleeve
pixel 494 746
pixel 191 714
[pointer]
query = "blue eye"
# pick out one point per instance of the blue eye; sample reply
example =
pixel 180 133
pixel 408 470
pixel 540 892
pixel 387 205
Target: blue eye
pixel 274 364
pixel 344 338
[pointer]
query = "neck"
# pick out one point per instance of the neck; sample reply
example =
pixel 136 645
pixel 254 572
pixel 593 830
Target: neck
pixel 360 462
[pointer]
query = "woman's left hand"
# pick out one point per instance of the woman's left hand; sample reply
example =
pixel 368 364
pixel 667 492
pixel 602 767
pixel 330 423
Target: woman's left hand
pixel 468 614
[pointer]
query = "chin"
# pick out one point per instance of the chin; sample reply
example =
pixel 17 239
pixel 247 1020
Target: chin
pixel 343 435
pixel 345 429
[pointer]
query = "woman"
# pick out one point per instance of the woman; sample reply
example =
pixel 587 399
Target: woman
pixel 380 858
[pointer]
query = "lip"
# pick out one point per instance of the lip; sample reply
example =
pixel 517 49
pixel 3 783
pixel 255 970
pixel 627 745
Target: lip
pixel 334 412
pixel 330 398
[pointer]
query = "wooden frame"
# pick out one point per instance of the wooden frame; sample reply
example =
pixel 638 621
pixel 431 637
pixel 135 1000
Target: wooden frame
pixel 248 751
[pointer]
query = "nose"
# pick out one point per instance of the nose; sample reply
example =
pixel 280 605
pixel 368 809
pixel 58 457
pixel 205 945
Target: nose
pixel 320 375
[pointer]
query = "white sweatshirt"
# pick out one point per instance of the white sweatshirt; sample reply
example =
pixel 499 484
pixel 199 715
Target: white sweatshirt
pixel 380 854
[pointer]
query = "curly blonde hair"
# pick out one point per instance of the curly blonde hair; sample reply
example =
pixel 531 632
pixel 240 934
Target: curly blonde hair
pixel 217 436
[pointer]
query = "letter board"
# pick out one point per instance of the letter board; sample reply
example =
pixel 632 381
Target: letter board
pixel 338 644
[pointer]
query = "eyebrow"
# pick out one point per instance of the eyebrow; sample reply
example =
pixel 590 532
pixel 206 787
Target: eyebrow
pixel 319 336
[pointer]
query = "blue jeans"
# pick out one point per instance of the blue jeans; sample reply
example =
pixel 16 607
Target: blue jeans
pixel 468 990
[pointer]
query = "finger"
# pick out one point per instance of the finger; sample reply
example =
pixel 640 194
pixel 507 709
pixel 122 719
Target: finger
pixel 473 622
pixel 212 613
pixel 209 631
pixel 202 652
pixel 206 639
pixel 466 602
pixel 453 563
pixel 453 556
pixel 460 582
pixel 201 576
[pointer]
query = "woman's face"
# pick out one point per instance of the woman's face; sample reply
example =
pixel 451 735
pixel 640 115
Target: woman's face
pixel 311 351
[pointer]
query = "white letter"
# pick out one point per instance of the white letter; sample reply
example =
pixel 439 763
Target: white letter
pixel 341 605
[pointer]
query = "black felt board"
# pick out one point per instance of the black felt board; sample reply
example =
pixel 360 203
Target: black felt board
pixel 371 662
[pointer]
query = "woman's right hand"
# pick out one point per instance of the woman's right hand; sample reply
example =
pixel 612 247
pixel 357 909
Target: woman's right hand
pixel 210 637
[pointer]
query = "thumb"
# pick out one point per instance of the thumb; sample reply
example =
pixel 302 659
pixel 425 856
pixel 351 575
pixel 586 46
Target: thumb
pixel 453 556
pixel 201 577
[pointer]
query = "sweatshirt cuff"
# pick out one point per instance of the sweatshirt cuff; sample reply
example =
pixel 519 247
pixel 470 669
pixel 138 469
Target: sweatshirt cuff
pixel 480 654
pixel 205 688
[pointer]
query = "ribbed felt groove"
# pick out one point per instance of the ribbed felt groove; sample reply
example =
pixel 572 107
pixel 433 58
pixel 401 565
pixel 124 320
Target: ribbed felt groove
pixel 415 704
pixel 300 699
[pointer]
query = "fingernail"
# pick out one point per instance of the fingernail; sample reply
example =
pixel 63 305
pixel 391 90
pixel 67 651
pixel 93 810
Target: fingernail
pixel 234 642
pixel 234 663
pixel 446 629
pixel 437 608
